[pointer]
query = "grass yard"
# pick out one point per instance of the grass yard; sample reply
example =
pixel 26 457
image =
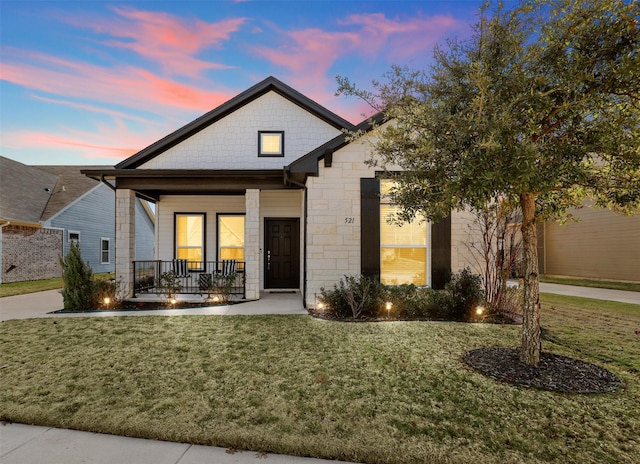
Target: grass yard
pixel 371 392
pixel 31 286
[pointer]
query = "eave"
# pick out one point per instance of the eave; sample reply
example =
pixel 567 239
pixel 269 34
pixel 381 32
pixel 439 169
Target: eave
pixel 152 183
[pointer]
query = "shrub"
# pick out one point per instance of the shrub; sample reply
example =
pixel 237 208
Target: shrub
pixel 466 293
pixel 354 297
pixel 78 292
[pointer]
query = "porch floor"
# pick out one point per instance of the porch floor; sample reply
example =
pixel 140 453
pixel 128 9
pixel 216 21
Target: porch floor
pixel 269 303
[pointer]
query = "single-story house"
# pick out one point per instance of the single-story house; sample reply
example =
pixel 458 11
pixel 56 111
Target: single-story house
pixel 270 182
pixel 44 208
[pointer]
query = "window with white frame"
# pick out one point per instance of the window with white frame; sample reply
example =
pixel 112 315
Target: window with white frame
pixel 105 250
pixel 270 143
pixel 74 236
pixel 403 248
pixel 190 234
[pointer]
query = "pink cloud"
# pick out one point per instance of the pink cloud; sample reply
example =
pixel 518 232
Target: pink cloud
pixel 309 54
pixel 110 142
pixel 128 86
pixel 171 41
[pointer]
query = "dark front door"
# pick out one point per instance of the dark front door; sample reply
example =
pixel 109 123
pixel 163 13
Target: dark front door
pixel 282 253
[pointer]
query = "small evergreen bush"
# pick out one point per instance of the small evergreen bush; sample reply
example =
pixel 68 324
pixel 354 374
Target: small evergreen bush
pixel 466 293
pixel 78 292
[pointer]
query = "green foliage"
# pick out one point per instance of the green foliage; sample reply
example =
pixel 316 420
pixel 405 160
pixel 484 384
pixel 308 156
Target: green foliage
pixel 78 292
pixel 466 293
pixel 169 283
pixel 363 298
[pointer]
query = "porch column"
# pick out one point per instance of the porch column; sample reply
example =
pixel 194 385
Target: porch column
pixel 125 240
pixel 252 244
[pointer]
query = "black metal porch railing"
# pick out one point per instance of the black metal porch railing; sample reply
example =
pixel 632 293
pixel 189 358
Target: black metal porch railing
pixel 180 276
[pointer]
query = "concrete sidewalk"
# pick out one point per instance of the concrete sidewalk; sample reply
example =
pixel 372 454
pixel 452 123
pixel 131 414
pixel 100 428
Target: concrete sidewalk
pixel 589 292
pixel 25 444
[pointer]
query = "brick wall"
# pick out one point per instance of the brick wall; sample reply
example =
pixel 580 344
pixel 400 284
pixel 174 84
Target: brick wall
pixel 29 253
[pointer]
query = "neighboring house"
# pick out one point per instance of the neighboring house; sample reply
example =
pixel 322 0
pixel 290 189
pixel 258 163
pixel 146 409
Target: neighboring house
pixel 270 181
pixel 600 245
pixel 44 208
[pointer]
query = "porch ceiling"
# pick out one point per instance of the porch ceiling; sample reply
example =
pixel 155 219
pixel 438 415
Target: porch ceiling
pixel 155 182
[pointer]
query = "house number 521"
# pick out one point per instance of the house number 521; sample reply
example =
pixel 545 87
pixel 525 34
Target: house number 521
pixel 349 220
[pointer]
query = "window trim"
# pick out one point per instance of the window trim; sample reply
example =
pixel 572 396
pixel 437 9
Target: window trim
pixel 218 216
pixel 262 154
pixel 204 238
pixel 69 239
pixel 108 250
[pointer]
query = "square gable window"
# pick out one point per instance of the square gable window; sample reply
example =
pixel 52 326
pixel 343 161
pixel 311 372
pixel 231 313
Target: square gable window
pixel 270 143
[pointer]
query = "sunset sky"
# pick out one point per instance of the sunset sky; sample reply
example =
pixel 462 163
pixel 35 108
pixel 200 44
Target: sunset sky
pixel 93 82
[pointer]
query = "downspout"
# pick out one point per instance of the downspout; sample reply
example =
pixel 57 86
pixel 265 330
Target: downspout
pixel 289 181
pixel 105 182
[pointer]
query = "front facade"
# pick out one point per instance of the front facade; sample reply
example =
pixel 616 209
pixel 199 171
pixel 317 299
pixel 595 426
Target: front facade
pixel 270 183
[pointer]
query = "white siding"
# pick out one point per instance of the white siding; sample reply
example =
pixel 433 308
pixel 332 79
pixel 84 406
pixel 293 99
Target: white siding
pixel 210 205
pixel 232 142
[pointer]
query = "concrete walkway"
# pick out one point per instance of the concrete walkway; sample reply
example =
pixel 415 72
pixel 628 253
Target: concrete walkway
pixel 27 444
pixel 595 293
pixel 41 304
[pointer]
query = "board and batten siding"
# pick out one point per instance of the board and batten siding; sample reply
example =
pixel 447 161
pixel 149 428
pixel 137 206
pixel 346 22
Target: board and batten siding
pixel 210 205
pixel 232 142
pixel 93 215
pixel 602 245
pixel 145 234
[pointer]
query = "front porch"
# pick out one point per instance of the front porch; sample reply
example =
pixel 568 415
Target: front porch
pixel 222 280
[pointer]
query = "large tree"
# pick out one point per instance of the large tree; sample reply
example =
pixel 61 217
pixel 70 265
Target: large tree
pixel 541 105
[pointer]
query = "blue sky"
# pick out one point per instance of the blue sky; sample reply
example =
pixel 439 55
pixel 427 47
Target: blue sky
pixel 93 82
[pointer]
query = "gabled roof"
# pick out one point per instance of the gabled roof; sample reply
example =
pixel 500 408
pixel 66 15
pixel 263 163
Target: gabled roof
pixel 34 194
pixel 308 164
pixel 242 99
pixel 24 191
pixel 72 184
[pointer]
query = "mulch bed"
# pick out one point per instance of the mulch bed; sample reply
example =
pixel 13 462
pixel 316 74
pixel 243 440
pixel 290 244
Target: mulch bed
pixel 554 372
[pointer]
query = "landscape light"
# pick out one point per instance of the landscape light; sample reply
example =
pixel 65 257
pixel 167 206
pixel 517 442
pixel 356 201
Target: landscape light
pixel 106 301
pixel 479 310
pixel 388 305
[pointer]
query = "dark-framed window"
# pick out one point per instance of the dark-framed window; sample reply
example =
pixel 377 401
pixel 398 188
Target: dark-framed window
pixel 270 143
pixel 74 236
pixel 231 236
pixel 190 233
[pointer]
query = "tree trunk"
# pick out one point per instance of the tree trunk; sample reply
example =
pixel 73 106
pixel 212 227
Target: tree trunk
pixel 531 345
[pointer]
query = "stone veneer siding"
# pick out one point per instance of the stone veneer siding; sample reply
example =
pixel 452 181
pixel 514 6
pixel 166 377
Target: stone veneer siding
pixel 334 222
pixel 125 240
pixel 30 253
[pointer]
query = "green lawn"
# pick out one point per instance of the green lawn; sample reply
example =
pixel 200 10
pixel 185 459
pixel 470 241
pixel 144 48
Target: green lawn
pixel 371 392
pixel 32 286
